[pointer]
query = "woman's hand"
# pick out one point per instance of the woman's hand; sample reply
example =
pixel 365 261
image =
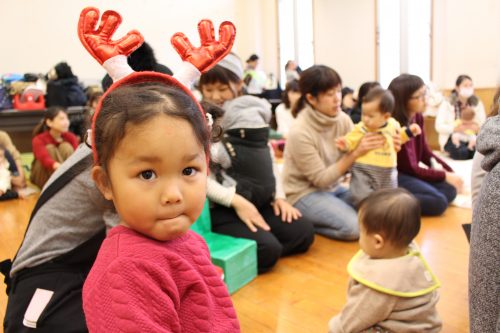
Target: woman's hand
pixel 455 180
pixel 287 211
pixel 369 142
pixel 341 143
pixel 248 213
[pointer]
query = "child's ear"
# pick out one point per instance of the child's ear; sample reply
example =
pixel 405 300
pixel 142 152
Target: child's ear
pixel 387 115
pixel 379 241
pixel 102 182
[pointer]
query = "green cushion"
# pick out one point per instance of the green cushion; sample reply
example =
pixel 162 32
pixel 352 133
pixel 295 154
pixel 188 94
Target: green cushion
pixel 236 256
pixel 27 160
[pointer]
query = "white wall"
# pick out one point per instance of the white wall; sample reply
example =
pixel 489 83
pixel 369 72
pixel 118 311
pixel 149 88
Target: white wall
pixel 38 34
pixel 466 41
pixel 344 38
pixel 41 33
pixel 258 32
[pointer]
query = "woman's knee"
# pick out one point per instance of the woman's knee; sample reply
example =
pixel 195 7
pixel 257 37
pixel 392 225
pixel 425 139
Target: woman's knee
pixel 65 150
pixel 450 192
pixel 336 220
pixel 268 253
pixel 349 231
pixel 304 235
pixel 434 207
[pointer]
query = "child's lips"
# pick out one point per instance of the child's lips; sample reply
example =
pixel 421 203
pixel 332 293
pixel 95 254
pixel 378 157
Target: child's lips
pixel 169 217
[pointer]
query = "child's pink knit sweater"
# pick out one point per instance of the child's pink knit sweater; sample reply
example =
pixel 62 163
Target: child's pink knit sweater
pixel 138 284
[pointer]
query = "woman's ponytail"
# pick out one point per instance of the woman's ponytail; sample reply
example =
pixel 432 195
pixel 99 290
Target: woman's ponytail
pixel 299 105
pixel 40 127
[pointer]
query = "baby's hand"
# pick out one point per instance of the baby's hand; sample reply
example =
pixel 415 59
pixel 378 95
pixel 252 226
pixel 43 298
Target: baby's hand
pixel 415 129
pixel 472 143
pixel 341 143
pixel 455 139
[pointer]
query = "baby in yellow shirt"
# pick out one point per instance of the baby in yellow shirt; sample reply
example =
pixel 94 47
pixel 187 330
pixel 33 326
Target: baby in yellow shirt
pixel 377 168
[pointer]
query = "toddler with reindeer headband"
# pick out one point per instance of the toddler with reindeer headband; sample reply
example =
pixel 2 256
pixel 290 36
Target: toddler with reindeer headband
pixel 151 144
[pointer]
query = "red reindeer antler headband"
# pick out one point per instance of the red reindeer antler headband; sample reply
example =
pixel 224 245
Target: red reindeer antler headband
pixel 112 55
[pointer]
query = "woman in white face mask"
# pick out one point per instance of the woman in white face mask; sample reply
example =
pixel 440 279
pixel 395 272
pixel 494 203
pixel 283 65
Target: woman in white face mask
pixel 455 123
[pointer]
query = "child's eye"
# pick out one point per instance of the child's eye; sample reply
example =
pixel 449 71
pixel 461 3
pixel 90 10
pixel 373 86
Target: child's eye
pixel 147 175
pixel 189 171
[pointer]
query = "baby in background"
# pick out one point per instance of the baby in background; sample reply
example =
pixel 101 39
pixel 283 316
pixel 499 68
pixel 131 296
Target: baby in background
pixel 376 169
pixel 391 288
pixel 6 191
pixel 466 128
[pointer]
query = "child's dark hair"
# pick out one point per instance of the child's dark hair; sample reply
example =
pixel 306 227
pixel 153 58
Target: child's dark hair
pixel 217 113
pixel 292 85
pixel 392 213
pixel 138 103
pixel 315 80
pixel 472 101
pixel 50 114
pixel 386 104
pixel 218 74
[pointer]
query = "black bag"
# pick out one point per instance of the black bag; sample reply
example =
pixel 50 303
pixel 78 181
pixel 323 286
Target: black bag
pixel 5 99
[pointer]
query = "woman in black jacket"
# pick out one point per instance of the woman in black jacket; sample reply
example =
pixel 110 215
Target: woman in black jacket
pixel 63 88
pixel 142 59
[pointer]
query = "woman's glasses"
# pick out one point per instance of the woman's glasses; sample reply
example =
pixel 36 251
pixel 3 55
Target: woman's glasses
pixel 423 96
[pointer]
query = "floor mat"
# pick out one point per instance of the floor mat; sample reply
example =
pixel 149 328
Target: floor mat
pixel 463 169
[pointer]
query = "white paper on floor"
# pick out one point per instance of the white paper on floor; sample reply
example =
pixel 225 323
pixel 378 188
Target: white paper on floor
pixel 463 169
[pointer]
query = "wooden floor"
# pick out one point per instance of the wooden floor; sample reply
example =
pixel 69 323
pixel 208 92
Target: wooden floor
pixel 303 292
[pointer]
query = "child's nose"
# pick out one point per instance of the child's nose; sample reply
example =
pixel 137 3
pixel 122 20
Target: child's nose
pixel 171 194
pixel 216 96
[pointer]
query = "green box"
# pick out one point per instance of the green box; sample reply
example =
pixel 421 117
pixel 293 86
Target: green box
pixel 236 256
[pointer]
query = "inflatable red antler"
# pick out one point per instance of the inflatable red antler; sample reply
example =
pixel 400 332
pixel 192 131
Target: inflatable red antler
pixel 98 41
pixel 211 51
